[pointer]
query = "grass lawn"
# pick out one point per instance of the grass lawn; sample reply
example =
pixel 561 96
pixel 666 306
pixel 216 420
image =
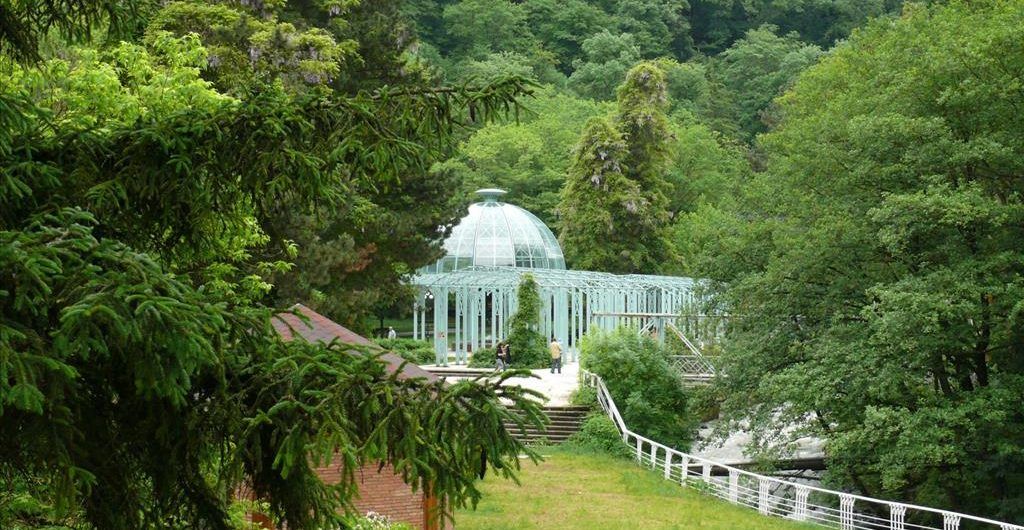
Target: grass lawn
pixel 570 491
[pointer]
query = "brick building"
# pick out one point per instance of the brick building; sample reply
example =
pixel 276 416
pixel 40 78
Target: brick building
pixel 381 491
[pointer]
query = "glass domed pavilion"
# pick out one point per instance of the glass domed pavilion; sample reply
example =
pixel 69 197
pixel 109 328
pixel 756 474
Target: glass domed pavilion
pixel 497 234
pixel 487 254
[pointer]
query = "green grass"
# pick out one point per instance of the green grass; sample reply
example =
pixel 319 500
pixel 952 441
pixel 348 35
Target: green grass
pixel 570 491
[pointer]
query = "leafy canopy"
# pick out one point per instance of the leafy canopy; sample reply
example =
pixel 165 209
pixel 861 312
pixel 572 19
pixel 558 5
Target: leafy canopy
pixel 877 264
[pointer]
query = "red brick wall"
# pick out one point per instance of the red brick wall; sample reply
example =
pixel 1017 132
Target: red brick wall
pixel 386 494
pixel 383 492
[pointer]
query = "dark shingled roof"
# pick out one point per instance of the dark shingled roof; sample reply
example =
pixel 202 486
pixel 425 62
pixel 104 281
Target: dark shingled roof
pixel 322 329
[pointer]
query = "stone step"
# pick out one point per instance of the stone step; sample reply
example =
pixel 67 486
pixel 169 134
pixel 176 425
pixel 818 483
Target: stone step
pixel 568 427
pixel 564 422
pixel 459 371
pixel 566 413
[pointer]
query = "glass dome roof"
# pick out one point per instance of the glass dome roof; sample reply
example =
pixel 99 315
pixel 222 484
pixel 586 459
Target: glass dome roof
pixel 497 234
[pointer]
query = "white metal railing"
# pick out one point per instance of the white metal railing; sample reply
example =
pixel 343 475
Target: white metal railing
pixel 774 496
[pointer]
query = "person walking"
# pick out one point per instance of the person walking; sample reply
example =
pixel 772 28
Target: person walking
pixel 392 334
pixel 503 356
pixel 556 355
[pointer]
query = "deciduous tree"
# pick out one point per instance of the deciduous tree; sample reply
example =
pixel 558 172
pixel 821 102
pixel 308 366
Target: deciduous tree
pixel 877 264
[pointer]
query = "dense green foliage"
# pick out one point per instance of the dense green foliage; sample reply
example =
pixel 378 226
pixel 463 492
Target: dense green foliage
pixel 484 358
pixel 584 396
pixel 614 208
pixel 527 346
pixel 598 433
pixel 756 68
pixel 412 350
pixel 142 186
pixel 877 263
pixel 172 171
pixel 724 61
pixel 551 37
pixel 527 158
pixel 647 390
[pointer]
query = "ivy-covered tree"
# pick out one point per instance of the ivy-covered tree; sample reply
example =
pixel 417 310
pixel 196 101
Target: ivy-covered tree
pixel 526 343
pixel 614 211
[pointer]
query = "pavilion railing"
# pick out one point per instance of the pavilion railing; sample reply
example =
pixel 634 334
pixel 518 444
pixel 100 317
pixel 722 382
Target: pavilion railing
pixel 693 368
pixel 782 498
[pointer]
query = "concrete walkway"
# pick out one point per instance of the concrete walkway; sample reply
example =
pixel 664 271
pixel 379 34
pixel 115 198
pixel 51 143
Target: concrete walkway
pixel 558 388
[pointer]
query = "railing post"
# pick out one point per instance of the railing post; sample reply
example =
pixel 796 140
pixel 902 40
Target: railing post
pixel 734 485
pixel 897 514
pixel 800 511
pixel 639 451
pixel 762 496
pixel 685 464
pixel 846 512
pixel 950 521
pixel 706 473
pixel 654 456
pixel 668 465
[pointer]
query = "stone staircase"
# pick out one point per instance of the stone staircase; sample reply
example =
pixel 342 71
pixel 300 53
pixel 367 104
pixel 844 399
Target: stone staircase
pixel 457 372
pixel 565 421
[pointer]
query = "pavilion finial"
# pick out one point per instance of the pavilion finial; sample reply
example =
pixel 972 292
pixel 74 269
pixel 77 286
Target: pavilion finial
pixel 491 194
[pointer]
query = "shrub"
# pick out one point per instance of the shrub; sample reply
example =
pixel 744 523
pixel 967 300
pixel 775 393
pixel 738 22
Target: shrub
pixel 648 391
pixel 484 358
pixel 412 350
pixel 599 434
pixel 584 396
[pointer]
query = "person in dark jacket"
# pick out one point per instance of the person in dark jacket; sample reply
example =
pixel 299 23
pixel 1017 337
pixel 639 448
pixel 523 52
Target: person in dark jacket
pixel 504 357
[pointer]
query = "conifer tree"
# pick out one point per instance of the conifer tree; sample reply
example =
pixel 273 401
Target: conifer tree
pixel 141 384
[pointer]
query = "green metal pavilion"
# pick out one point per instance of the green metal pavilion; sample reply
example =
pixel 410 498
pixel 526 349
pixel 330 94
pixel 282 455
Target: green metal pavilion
pixel 488 253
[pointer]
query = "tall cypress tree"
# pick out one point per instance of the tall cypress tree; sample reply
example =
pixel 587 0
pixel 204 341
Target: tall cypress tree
pixel 614 210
